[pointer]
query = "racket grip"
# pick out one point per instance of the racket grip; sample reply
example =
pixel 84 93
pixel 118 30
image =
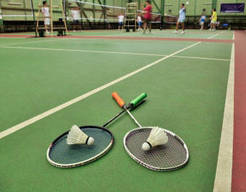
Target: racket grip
pixel 138 99
pixel 118 99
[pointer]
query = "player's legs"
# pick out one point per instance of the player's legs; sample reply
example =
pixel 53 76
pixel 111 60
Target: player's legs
pixel 213 25
pixel 149 25
pixel 140 26
pixel 183 26
pixel 202 25
pixel 177 26
pixel 144 25
pixel 46 24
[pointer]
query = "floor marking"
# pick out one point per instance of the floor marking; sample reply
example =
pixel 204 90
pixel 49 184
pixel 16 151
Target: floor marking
pixel 202 58
pixel 114 52
pixel 37 41
pixel 84 96
pixel 224 165
pixel 83 51
pixel 215 35
pixel 92 92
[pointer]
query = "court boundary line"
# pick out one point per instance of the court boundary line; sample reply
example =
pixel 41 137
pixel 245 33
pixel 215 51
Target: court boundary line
pixel 215 35
pixel 37 41
pixel 115 52
pixel 82 97
pixel 223 177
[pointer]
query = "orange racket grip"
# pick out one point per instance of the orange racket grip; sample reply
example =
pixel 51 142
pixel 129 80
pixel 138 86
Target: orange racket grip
pixel 118 99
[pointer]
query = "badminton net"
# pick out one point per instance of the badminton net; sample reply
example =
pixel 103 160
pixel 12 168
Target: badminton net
pixel 86 11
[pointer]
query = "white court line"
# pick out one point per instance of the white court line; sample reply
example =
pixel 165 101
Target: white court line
pixel 92 92
pixel 84 96
pixel 113 52
pixel 83 51
pixel 202 58
pixel 20 43
pixel 215 35
pixel 222 182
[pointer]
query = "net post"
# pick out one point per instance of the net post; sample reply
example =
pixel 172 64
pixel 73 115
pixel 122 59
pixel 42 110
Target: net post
pixel 33 16
pixel 162 14
pixel 1 19
pixel 104 13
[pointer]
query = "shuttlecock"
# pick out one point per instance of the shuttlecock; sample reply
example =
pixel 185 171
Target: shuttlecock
pixel 156 137
pixel 187 2
pixel 77 136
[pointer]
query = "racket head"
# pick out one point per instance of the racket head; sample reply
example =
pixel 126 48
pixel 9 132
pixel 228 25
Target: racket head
pixel 60 154
pixel 170 156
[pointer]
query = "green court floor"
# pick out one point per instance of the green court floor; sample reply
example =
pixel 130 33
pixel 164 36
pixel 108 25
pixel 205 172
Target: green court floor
pixel 186 94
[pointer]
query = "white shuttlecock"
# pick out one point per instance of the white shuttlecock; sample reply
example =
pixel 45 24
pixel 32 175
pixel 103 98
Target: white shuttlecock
pixel 77 136
pixel 156 137
pixel 187 2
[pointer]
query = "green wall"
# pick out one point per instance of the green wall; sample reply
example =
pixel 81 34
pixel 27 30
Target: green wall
pixel 171 7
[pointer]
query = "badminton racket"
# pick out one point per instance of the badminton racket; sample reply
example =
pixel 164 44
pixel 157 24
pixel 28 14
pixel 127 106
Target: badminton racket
pixel 170 156
pixel 60 154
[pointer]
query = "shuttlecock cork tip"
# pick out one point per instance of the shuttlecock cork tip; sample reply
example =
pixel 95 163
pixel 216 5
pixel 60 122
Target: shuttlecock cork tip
pixel 146 146
pixel 90 141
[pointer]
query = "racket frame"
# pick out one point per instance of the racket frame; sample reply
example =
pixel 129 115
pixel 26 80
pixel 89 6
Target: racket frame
pixel 71 165
pixel 150 166
pixel 130 106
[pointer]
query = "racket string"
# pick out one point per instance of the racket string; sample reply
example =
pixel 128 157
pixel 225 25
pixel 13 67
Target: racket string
pixel 63 155
pixel 168 156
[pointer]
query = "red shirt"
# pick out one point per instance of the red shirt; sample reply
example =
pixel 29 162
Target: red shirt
pixel 148 10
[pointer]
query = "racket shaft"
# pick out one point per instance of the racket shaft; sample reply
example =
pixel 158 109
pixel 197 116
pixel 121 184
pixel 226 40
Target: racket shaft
pixel 134 102
pixel 133 118
pixel 123 111
pixel 115 117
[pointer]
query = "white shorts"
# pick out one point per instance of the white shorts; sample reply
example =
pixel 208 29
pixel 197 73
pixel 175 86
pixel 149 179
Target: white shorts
pixel 181 20
pixel 214 22
pixel 47 21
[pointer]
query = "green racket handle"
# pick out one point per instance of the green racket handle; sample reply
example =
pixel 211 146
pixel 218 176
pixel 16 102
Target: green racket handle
pixel 138 99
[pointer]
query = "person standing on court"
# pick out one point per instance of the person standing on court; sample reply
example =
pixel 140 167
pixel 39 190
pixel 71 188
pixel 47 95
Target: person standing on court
pixel 75 12
pixel 202 19
pixel 181 18
pixel 213 20
pixel 121 21
pixel 46 14
pixel 147 11
pixel 139 21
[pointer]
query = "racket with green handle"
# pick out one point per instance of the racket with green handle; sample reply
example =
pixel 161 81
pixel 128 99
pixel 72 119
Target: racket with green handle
pixel 172 155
